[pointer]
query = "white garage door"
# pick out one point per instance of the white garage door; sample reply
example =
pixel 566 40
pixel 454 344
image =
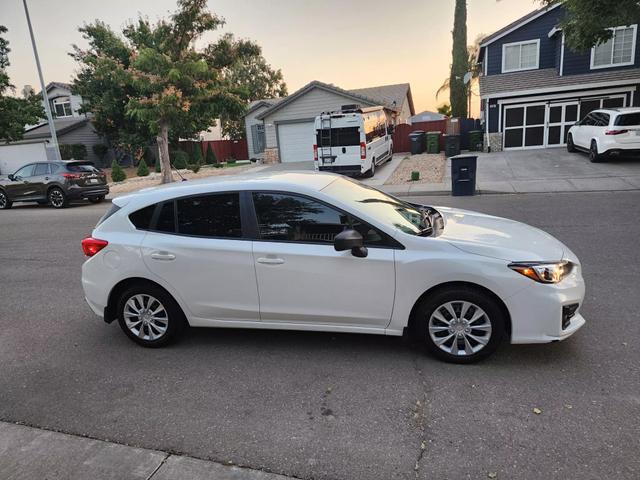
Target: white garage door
pixel 296 142
pixel 12 157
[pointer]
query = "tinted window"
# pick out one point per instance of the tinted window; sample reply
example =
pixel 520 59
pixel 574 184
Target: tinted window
pixel 141 219
pixel 166 220
pixel 82 167
pixel 25 171
pixel 628 119
pixel 298 219
pixel 41 169
pixel 588 106
pixel 54 167
pixel 215 215
pixel 535 115
pixel 514 117
pixel 340 137
pixel 613 102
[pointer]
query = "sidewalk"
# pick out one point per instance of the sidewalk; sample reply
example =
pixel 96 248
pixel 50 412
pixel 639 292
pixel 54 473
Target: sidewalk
pixel 28 453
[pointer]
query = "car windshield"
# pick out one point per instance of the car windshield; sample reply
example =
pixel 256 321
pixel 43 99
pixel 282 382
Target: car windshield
pixel 82 167
pixel 384 208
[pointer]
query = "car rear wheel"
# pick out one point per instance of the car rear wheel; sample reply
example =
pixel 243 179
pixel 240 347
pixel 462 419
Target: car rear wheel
pixel 5 203
pixel 460 325
pixel 149 316
pixel 594 156
pixel 372 170
pixel 571 148
pixel 96 199
pixel 57 198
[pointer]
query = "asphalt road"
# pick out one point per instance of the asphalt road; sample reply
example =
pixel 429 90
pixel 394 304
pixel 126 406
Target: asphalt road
pixel 335 406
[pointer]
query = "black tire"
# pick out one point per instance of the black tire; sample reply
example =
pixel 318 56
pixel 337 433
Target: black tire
pixel 372 171
pixel 57 198
pixel 5 203
pixel 571 148
pixel 175 319
pixel 96 199
pixel 457 295
pixel 594 156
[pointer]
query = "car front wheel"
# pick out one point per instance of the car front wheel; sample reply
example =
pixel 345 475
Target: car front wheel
pixel 460 325
pixel 571 148
pixel 5 203
pixel 149 316
pixel 57 198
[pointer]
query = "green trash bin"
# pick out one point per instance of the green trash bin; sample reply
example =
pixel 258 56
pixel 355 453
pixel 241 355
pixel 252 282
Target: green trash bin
pixel 475 141
pixel 433 142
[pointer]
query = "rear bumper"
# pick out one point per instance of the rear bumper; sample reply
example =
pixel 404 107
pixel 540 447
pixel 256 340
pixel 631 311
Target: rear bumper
pixel 344 169
pixel 74 192
pixel 622 152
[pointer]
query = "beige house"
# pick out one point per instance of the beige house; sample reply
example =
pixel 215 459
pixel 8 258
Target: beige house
pixel 281 129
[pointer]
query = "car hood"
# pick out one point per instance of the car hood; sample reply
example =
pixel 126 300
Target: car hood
pixel 497 237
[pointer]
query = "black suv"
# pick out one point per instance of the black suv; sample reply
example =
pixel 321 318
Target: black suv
pixel 54 183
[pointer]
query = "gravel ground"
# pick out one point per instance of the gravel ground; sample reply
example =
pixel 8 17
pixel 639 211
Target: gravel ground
pixel 430 166
pixel 136 183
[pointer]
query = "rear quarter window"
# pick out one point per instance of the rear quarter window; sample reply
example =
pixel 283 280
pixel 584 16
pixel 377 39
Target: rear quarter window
pixel 141 219
pixel 628 119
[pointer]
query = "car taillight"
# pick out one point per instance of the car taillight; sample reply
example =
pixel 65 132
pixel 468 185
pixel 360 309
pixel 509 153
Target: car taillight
pixel 363 150
pixel 91 246
pixel 315 153
pixel 70 176
pixel 615 132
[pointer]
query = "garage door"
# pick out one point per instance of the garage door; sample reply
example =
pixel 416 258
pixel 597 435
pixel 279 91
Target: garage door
pixel 12 157
pixel 296 142
pixel 524 126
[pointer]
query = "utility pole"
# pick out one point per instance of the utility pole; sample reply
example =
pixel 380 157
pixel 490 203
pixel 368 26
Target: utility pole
pixel 45 97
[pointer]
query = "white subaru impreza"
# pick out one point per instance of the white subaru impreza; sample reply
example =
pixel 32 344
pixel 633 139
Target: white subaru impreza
pixel 317 251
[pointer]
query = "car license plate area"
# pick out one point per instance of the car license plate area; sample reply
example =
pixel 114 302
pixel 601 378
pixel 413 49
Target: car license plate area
pixel 327 160
pixel 93 180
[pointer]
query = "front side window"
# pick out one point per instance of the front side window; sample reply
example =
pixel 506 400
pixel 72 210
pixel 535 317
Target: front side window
pixel 520 56
pixel 215 215
pixel 292 218
pixel 25 171
pixel 616 51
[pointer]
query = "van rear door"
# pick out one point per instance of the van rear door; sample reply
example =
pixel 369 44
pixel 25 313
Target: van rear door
pixel 339 145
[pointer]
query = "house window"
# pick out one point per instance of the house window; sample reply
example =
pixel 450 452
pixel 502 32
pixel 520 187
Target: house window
pixel 520 56
pixel 62 107
pixel 619 50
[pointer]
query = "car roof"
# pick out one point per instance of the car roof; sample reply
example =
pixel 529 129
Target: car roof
pixel 293 181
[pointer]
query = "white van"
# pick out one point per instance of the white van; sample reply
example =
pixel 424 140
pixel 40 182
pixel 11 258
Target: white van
pixel 352 141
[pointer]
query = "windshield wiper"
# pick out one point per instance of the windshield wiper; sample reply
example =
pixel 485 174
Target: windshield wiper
pixel 425 232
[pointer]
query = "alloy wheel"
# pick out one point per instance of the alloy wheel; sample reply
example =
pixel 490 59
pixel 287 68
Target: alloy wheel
pixel 460 328
pixel 56 197
pixel 3 200
pixel 146 317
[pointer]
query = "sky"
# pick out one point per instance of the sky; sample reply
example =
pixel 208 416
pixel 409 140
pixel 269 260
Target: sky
pixel 349 43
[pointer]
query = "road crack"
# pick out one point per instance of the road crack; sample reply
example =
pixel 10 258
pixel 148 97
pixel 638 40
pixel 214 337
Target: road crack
pixel 421 416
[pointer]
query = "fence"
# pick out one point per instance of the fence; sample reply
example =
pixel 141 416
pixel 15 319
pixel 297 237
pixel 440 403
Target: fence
pixel 402 143
pixel 225 149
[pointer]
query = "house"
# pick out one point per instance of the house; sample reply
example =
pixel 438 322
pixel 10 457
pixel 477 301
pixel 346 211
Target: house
pixel 63 103
pixel 427 116
pixel 533 87
pixel 281 129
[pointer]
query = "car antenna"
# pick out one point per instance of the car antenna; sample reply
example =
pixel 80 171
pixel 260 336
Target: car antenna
pixel 183 179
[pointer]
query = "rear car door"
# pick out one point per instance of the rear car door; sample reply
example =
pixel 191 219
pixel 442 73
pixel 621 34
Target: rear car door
pixel 303 280
pixel 197 245
pixel 626 130
pixel 40 177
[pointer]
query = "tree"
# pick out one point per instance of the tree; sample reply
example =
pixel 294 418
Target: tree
pixel 15 112
pixel 445 109
pixel 117 173
pixel 143 169
pixel 256 80
pixel 459 65
pixel 164 85
pixel 587 21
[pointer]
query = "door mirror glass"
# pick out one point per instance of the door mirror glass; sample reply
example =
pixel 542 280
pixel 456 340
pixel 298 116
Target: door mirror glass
pixel 350 240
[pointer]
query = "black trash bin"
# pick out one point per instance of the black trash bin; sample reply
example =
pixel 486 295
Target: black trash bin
pixel 463 175
pixel 452 145
pixel 418 141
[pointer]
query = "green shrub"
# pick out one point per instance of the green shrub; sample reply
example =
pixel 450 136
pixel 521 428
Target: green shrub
pixel 196 157
pixel 101 150
pixel 117 174
pixel 65 151
pixel 218 165
pixel 211 155
pixel 415 176
pixel 231 160
pixel 180 159
pixel 143 170
pixel 79 151
pixel 194 167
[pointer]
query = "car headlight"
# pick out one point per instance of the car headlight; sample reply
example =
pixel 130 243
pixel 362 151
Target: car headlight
pixel 543 272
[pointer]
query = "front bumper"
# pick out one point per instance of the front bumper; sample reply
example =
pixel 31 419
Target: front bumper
pixel 536 311
pixel 75 192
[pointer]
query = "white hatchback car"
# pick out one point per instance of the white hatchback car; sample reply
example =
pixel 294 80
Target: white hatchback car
pixel 606 133
pixel 318 251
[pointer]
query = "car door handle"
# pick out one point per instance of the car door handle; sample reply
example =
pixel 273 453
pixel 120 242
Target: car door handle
pixel 270 261
pixel 163 256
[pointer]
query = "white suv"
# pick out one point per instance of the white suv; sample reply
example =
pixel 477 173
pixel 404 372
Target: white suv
pixel 607 132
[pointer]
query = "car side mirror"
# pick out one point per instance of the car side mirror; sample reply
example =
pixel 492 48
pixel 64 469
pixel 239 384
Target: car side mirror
pixel 351 240
pixel 11 177
pixel 390 129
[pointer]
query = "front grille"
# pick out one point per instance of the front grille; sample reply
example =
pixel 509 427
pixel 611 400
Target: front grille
pixel 568 311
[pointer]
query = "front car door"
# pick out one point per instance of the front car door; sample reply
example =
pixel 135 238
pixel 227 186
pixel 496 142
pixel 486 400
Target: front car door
pixel 304 281
pixel 198 246
pixel 21 188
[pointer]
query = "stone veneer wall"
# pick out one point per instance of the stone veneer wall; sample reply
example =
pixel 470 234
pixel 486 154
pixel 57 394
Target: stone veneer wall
pixel 271 155
pixel 495 142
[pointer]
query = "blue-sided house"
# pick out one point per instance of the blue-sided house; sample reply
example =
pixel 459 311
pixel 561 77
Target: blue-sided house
pixel 533 87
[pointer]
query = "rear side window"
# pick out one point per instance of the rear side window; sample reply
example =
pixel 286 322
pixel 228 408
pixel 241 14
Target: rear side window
pixel 628 119
pixel 216 215
pixel 340 137
pixel 141 219
pixel 41 169
pixel 167 218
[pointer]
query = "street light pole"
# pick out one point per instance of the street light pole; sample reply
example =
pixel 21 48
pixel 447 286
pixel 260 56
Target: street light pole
pixel 45 97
